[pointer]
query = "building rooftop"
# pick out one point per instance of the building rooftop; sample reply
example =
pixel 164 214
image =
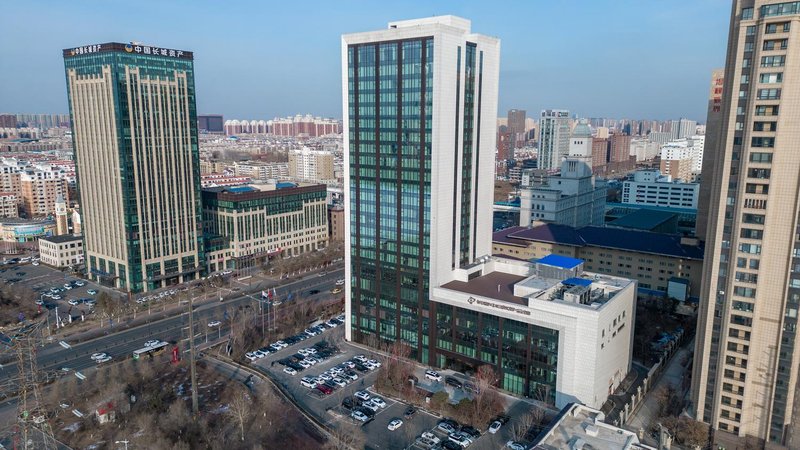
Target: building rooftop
pixel 644 219
pixel 617 238
pixel 497 285
pixel 579 427
pixel 62 238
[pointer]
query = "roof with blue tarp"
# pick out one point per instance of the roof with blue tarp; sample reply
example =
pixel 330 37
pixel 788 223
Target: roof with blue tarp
pixel 564 262
pixel 577 282
pixel 240 189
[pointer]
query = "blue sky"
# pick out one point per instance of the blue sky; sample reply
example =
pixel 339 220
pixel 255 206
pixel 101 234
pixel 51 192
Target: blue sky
pixel 255 59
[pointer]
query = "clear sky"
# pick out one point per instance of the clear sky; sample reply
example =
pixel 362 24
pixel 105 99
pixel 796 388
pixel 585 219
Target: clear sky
pixel 260 59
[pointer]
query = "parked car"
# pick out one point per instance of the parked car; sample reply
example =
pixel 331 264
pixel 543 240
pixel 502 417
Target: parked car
pixel 252 357
pixel 152 342
pixel 453 382
pixel 431 437
pixel 214 323
pixel 460 438
pixel 91 291
pixel 433 375
pixel 363 395
pixel 100 355
pixel 372 406
pixel 340 282
pixel 495 426
pixel 350 403
pixel 410 412
pixel 446 427
pixel 290 370
pixel 395 424
pixel 379 401
pixel 308 382
pixel 471 431
pixel 360 416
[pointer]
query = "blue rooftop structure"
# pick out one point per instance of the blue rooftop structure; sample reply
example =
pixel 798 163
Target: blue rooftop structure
pixel 285 184
pixel 240 189
pixel 563 262
pixel 577 282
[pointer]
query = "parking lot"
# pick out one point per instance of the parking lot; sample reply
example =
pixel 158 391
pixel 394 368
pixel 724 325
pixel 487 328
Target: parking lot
pixel 329 409
pixel 41 278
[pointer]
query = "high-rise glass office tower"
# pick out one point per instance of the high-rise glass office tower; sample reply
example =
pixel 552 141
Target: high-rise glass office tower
pixel 747 356
pixel 135 138
pixel 420 115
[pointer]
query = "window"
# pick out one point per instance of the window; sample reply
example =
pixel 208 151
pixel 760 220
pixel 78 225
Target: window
pixel 762 142
pixel 773 61
pixel 769 94
pixel 751 30
pixel 759 157
pixel 770 77
pixel 748 46
pixel 777 9
pixel 749 233
pixel 753 249
pixel 757 219
pixel 747 13
pixel 758 173
pixel 745 79
pixel 776 27
pixel 775 44
pixel 742 291
pixel 767 110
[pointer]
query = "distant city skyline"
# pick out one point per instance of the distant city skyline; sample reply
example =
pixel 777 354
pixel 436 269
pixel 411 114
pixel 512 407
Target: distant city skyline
pixel 623 59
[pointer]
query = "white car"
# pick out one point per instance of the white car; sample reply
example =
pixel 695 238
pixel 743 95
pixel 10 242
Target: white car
pixel 74 302
pixel 363 395
pixel 431 437
pixel 325 376
pixel 259 353
pixel 360 416
pixel 91 292
pixel 290 371
pixel 308 382
pixel 80 283
pixel 305 364
pixel 361 358
pixel 461 439
pixel 100 355
pixel 379 402
pixel 339 382
pixel 433 375
pixel 152 343
pixel 214 323
pixel 515 445
pixel 35 263
pixel 105 358
pixel 495 426
pixel 351 375
pixel 340 282
pixel 395 424
pixel 282 344
pixel 371 406
pixel 251 356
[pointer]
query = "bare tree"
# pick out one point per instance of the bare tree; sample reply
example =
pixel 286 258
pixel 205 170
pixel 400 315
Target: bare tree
pixel 239 409
pixel 521 426
pixel 346 437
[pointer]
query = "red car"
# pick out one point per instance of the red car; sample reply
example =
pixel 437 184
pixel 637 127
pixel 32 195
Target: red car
pixel 324 389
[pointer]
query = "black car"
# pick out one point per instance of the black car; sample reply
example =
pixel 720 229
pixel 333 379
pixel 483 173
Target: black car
pixel 331 384
pixel 410 411
pixel 453 382
pixel 472 431
pixel 450 445
pixel 367 412
pixel 470 387
pixel 313 291
pixel 361 368
pixel 502 419
pixel 296 366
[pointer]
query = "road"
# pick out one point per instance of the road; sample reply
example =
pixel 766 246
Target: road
pixel 121 344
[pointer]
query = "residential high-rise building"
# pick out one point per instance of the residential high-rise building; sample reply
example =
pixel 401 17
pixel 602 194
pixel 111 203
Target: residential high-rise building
pixel 420 109
pixel 138 167
pixel 553 138
pixel 311 165
pixel 709 158
pixel 620 148
pixel 516 127
pixel 747 354
pixel 599 151
pixel 8 121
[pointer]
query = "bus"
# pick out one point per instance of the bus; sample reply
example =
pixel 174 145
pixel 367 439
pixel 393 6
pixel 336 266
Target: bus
pixel 152 350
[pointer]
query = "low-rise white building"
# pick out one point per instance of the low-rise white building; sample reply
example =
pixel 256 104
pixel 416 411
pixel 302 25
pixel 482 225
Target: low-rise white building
pixel 61 251
pixel 581 427
pixel 650 187
pixel 553 331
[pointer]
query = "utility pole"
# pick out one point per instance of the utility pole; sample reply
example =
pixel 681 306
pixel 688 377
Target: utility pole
pixel 192 362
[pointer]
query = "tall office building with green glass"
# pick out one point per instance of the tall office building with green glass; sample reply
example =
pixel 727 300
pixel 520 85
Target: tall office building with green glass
pixel 420 108
pixel 135 138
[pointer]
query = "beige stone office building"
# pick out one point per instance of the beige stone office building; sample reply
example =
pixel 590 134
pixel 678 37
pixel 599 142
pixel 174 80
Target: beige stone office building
pixel 661 263
pixel 134 128
pixel 258 222
pixel 61 251
pixel 747 356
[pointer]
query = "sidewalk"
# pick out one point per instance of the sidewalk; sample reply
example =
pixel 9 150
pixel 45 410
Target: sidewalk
pixel 646 415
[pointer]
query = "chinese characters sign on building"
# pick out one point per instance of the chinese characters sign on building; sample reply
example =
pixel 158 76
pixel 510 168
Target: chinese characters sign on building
pixel 134 48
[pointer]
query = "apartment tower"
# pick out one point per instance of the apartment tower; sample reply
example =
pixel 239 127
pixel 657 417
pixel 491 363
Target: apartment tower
pixel 420 115
pixel 554 132
pixel 135 138
pixel 747 355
